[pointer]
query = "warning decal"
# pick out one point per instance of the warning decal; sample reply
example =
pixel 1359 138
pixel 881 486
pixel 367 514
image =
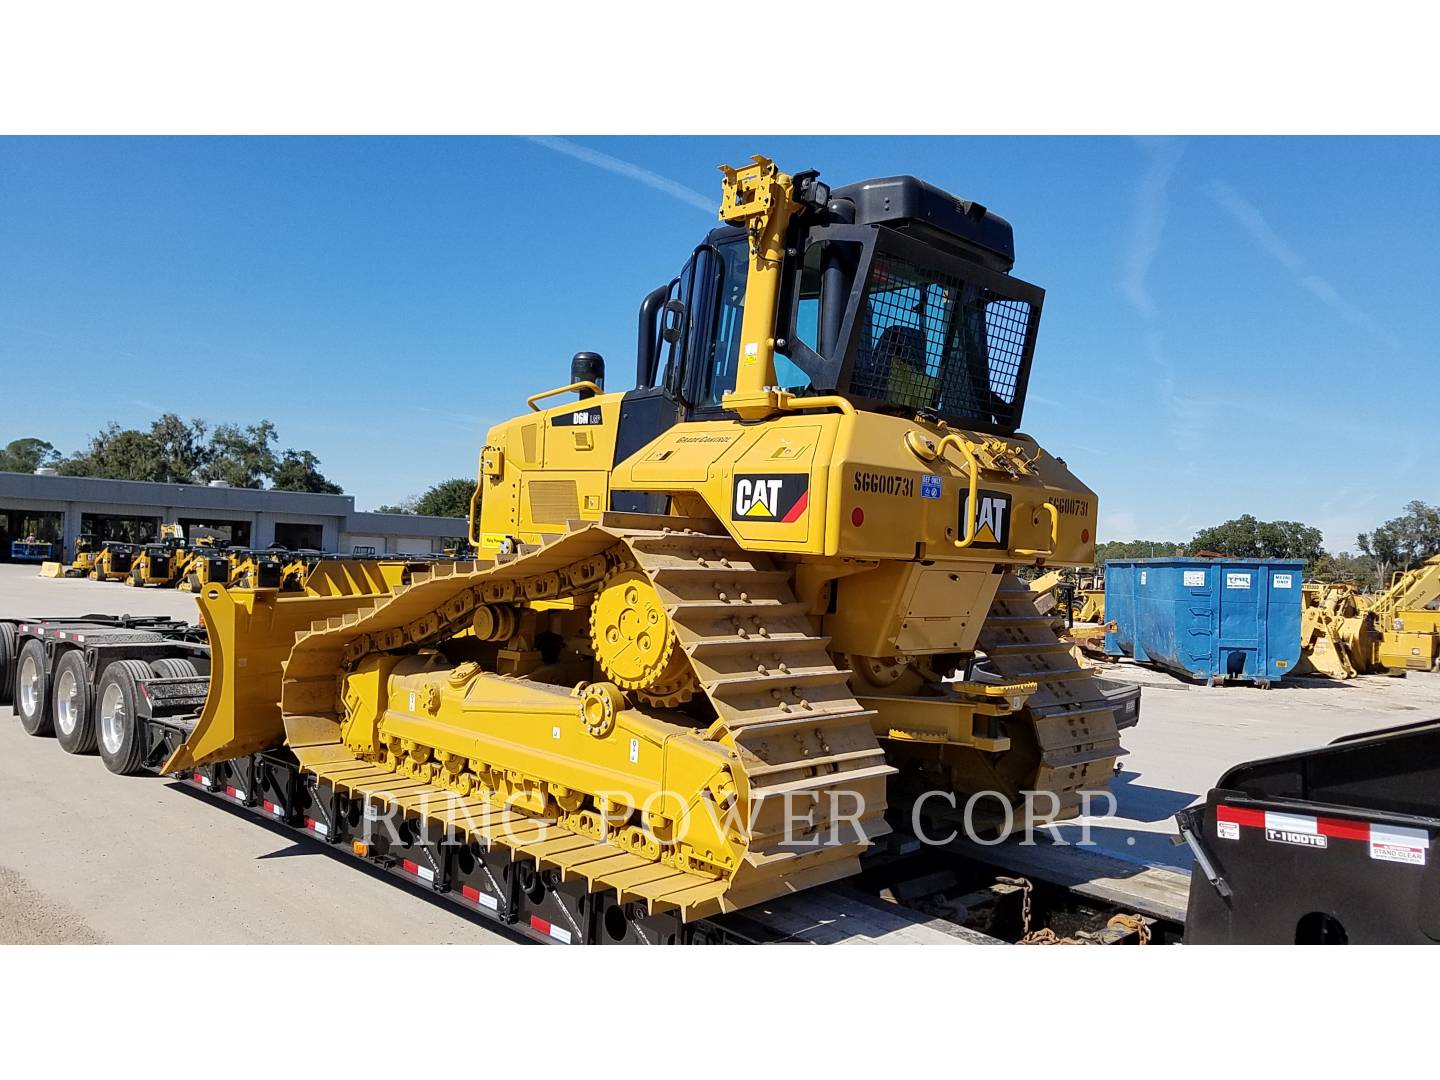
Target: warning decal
pixel 1392 843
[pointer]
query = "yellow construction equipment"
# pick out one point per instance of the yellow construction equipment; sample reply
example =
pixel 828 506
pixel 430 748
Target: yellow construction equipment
pixel 1344 633
pixel 251 569
pixel 1337 633
pixel 1409 628
pixel 112 561
pixel 205 564
pixel 294 569
pixel 162 563
pixel 710 618
pixel 80 566
pixel 1090 605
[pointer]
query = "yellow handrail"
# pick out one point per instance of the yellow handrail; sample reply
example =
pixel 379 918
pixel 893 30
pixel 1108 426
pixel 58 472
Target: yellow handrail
pixel 533 398
pixel 972 511
pixel 922 450
pixel 788 402
pixel 470 531
pixel 1054 533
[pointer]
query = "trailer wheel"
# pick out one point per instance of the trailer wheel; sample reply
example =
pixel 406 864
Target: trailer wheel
pixel 72 704
pixel 174 667
pixel 7 663
pixel 117 720
pixel 32 702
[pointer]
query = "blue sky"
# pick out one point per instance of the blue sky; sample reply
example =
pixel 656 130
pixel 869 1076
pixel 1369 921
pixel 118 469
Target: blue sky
pixel 1230 326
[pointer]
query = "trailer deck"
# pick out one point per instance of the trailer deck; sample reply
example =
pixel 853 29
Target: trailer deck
pixel 963 893
pixel 515 871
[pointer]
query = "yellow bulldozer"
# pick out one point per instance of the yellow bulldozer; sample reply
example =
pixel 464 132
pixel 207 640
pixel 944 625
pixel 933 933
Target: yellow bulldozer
pixel 713 623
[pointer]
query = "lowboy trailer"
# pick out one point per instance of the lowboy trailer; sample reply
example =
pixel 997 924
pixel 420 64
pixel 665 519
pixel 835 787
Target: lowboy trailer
pixel 1327 846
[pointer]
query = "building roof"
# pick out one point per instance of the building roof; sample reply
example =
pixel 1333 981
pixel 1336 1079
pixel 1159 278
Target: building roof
pixel 204 498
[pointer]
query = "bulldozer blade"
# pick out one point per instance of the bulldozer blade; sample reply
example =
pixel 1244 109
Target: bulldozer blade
pixel 251 634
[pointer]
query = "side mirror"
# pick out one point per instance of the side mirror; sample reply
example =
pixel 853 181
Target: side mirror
pixel 672 324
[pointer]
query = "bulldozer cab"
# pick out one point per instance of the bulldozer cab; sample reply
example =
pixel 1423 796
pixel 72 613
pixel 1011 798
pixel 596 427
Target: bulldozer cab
pixel 879 320
pixel 891 293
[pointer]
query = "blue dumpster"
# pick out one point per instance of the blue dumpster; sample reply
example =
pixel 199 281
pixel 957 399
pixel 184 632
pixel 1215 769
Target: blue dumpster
pixel 1206 618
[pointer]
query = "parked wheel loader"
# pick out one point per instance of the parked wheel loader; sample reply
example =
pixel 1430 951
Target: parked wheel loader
pixel 713 622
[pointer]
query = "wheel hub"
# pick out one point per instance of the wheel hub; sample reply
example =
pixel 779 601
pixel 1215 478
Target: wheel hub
pixel 67 703
pixel 30 686
pixel 112 718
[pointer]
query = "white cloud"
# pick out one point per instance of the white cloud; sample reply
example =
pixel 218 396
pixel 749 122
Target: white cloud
pixel 1248 216
pixel 628 170
pixel 1152 207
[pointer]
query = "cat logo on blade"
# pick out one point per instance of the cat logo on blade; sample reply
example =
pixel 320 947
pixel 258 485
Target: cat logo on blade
pixel 771 496
pixel 992 519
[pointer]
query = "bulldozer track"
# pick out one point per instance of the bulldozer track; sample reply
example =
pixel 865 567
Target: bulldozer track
pixel 1067 727
pixel 803 740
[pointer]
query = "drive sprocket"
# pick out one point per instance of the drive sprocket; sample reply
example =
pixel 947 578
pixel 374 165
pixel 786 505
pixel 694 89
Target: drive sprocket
pixel 634 640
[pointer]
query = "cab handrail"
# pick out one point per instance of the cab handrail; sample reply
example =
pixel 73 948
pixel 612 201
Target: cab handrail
pixel 533 398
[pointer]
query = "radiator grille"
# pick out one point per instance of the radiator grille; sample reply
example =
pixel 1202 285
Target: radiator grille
pixel 554 502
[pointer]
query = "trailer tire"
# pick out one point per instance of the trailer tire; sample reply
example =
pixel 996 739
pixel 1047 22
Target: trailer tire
pixel 174 667
pixel 72 703
pixel 117 721
pixel 32 697
pixel 7 663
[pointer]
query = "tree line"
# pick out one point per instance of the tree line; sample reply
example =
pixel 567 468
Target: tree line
pixel 177 451
pixel 449 498
pixel 1400 543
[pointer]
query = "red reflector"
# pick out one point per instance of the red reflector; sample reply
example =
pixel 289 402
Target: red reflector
pixel 1084 536
pixel 857 517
